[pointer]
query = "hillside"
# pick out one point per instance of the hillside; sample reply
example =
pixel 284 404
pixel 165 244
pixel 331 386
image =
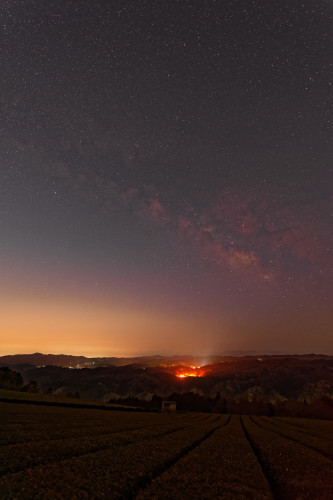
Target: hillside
pixel 69 361
pixel 273 378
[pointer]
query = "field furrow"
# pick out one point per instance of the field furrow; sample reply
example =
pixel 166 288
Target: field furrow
pixel 60 425
pixel 223 466
pixel 318 444
pixel 55 434
pixel 314 427
pixel 15 458
pixel 57 453
pixel 116 472
pixel 295 471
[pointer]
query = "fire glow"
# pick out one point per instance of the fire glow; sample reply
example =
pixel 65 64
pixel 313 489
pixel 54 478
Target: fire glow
pixel 193 371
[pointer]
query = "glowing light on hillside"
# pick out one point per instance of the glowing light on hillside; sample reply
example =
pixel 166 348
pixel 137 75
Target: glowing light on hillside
pixel 190 371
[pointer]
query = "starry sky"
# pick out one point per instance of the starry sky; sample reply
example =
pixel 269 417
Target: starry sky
pixel 165 176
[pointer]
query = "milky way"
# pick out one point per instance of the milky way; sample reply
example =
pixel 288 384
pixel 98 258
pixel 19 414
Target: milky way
pixel 165 176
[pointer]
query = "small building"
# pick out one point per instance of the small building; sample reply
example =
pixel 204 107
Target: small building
pixel 168 406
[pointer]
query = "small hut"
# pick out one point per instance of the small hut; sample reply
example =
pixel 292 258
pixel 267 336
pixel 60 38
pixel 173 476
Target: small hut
pixel 168 406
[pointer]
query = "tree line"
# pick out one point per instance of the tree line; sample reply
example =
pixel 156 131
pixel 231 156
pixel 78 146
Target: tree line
pixel 190 401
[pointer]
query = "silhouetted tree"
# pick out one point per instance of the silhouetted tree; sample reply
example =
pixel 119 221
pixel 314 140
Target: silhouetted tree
pixel 9 379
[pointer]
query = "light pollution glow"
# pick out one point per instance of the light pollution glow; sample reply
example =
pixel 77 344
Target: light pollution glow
pixel 83 326
pixel 145 316
pixel 86 328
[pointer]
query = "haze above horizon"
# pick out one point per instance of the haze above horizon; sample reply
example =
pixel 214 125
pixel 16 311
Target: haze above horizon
pixel 165 179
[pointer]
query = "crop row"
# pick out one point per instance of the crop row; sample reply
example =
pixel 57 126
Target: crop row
pixel 119 455
pixel 20 456
pixel 319 444
pixel 115 472
pixel 318 428
pixel 14 436
pixel 249 459
pixel 294 469
pixel 60 424
pixel 223 466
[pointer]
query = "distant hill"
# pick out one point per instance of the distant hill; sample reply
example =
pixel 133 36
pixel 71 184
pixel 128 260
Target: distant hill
pixel 271 378
pixel 38 359
pixel 69 361
pixel 252 353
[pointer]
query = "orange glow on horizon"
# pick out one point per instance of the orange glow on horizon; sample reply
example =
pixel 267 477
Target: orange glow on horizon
pixel 81 327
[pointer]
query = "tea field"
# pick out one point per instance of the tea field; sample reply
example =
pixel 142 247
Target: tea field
pixel 60 453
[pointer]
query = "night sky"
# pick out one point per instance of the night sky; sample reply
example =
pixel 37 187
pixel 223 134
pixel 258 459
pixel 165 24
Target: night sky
pixel 165 176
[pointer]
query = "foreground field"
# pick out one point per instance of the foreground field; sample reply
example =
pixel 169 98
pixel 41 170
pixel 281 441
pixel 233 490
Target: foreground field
pixel 49 452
